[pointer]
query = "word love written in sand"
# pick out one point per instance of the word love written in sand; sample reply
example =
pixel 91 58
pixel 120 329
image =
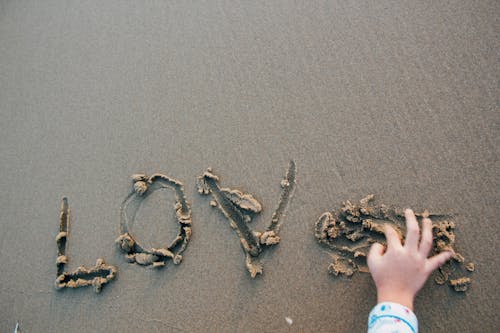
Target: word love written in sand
pixel 239 209
pixel 349 232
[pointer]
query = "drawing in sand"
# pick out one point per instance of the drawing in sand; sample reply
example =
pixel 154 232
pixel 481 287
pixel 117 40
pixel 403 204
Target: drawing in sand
pixel 96 276
pixel 351 231
pixel 143 186
pixel 239 208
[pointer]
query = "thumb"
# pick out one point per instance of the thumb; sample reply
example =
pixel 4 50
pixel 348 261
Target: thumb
pixel 438 260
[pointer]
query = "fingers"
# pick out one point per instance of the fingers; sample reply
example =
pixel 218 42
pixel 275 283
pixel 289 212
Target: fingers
pixel 426 240
pixel 438 260
pixel 392 237
pixel 376 251
pixel 412 230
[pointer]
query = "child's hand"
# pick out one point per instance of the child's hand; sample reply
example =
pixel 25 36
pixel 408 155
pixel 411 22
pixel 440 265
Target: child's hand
pixel 400 271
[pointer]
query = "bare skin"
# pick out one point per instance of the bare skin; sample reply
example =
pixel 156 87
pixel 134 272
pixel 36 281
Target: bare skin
pixel 400 271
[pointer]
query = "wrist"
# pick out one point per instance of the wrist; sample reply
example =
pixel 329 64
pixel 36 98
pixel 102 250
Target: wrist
pixel 402 298
pixel 394 315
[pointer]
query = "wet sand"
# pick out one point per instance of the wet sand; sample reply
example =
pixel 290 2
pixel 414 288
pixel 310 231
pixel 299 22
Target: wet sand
pixel 395 99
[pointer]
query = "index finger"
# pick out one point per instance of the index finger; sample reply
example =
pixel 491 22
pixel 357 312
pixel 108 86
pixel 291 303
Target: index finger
pixel 391 237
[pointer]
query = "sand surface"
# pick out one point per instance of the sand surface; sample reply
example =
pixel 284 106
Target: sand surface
pixel 395 98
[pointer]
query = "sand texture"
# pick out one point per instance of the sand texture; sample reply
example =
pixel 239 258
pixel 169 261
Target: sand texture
pixel 394 98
